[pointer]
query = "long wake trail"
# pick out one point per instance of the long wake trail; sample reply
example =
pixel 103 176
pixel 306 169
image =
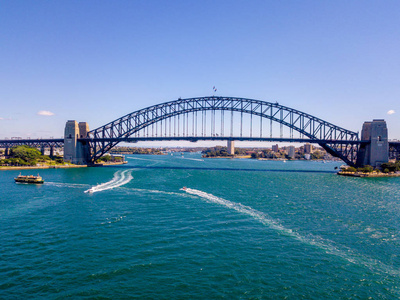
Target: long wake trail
pixel 120 178
pixel 318 242
pixel 195 159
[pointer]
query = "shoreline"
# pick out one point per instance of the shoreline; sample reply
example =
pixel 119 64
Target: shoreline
pixel 238 156
pixel 109 164
pixel 10 168
pixel 369 175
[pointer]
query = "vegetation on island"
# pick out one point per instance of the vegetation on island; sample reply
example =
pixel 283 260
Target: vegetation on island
pixel 390 167
pixel 136 150
pixel 220 151
pixel 28 156
pixel 268 154
pixel 257 153
pixel 108 158
pixel 385 168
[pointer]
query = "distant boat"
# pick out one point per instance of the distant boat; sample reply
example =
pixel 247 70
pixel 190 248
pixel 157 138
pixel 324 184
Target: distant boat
pixel 29 179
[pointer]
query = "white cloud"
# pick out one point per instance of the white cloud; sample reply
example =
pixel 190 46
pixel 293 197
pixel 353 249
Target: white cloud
pixel 45 113
pixel 391 112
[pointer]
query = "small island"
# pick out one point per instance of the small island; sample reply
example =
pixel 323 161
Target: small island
pixel 390 169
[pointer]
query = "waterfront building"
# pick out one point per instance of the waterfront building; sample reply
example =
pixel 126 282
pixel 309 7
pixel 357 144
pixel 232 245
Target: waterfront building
pixel 308 148
pixel 291 151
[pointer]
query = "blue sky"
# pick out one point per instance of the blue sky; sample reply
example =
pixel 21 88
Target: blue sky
pixel 96 61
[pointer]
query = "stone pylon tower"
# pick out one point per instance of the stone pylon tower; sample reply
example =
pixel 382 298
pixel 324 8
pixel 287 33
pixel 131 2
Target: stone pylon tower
pixel 75 151
pixel 377 151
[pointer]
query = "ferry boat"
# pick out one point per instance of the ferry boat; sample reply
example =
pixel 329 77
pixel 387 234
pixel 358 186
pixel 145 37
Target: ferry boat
pixel 29 179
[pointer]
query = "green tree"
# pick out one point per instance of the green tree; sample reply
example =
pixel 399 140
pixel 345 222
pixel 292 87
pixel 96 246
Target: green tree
pixel 367 169
pixel 25 153
pixel 105 158
pixel 59 160
pixel 392 167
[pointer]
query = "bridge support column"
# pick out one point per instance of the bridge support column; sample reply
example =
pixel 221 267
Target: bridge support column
pixel 231 147
pixel 74 151
pixel 377 151
pixel 51 151
pixel 42 150
pixel 7 151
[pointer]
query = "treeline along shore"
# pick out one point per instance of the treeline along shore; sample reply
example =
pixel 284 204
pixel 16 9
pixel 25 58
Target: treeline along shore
pixel 27 157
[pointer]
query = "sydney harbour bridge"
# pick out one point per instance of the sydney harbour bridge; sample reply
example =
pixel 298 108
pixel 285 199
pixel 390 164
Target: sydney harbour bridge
pixel 221 118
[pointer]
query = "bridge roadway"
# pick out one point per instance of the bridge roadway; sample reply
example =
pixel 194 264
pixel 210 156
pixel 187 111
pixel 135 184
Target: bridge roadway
pixel 59 143
pixel 38 143
pixel 394 146
pixel 222 138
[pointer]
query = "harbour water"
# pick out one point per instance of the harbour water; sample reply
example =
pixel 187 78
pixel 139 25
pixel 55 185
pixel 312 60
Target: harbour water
pixel 241 229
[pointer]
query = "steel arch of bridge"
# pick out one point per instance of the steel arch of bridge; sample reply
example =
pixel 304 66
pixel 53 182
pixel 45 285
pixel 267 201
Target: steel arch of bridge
pixel 335 140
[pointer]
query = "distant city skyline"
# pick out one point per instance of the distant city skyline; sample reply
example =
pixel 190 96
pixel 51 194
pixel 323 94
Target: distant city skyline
pixel 96 61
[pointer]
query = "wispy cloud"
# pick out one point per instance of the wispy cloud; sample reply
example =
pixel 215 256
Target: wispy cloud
pixel 1 118
pixel 45 113
pixel 391 112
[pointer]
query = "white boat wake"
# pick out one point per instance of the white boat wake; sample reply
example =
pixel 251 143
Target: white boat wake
pixel 326 245
pixel 68 185
pixel 240 208
pixel 195 159
pixel 120 178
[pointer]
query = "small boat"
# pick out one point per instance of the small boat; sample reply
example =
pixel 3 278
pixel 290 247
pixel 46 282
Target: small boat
pixel 90 191
pixel 29 179
pixel 184 188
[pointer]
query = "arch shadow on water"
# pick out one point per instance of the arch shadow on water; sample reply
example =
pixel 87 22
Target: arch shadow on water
pixel 227 169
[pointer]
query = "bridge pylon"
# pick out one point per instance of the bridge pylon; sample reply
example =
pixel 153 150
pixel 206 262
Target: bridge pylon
pixel 231 147
pixel 75 151
pixel 376 151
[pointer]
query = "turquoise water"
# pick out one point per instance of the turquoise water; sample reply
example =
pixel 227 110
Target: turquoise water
pixel 242 229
